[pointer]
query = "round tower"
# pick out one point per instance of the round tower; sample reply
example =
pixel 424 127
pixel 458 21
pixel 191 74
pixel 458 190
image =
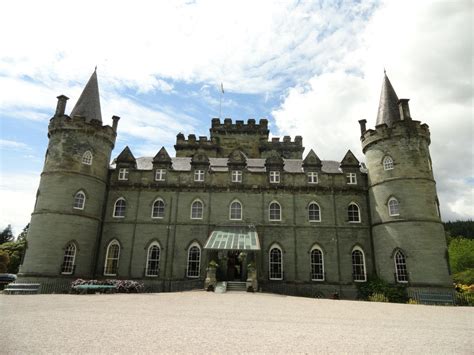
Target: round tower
pixel 408 236
pixel 66 221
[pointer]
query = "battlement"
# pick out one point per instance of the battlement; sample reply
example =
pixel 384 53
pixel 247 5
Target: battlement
pixel 239 127
pixel 403 128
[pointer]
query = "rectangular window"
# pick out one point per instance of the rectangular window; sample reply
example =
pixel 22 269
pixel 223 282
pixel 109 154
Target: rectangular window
pixel 236 176
pixel 199 175
pixel 351 178
pixel 160 174
pixel 274 177
pixel 312 178
pixel 123 174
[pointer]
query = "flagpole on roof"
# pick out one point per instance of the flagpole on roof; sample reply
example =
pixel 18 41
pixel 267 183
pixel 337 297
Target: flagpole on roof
pixel 220 101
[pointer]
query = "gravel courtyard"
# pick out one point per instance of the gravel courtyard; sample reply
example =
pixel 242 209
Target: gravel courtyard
pixel 234 322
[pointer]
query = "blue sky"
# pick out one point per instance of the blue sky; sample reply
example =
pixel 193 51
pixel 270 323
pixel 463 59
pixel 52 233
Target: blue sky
pixel 311 68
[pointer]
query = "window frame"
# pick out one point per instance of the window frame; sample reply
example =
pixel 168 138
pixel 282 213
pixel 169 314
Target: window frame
pixel 116 259
pixel 87 158
pixel 240 210
pixel 154 244
pixel 82 205
pixel 199 175
pixel 393 207
pixel 160 175
pixel 351 179
pixel 314 203
pixel 274 177
pixel 312 263
pixel 312 178
pixel 270 211
pixel 70 262
pixel 359 220
pixel 189 261
pixel 124 208
pixel 153 209
pixel 270 263
pixel 236 176
pixel 364 267
pixel 123 174
pixel 400 266
pixel 387 163
pixel 192 209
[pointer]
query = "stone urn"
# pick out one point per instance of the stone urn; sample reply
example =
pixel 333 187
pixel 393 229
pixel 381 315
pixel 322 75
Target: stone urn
pixel 211 280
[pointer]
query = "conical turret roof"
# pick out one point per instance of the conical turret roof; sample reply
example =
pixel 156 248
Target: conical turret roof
pixel 88 104
pixel 388 106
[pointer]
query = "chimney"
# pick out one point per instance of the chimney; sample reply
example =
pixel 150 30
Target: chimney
pixel 61 106
pixel 362 126
pixel 404 109
pixel 115 120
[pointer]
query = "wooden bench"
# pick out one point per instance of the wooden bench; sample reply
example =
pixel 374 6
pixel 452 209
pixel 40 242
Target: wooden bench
pixel 425 297
pixel 22 289
pixel 84 289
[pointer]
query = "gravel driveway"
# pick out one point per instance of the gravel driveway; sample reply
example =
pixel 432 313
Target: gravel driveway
pixel 234 322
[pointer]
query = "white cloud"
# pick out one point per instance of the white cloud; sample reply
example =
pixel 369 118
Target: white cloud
pixel 9 144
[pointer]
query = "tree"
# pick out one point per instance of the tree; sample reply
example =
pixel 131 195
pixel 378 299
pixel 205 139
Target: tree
pixel 6 235
pixel 14 251
pixel 23 234
pixel 4 260
pixel 461 254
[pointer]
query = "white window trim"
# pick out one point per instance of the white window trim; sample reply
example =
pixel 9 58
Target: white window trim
pixel 83 200
pixel 352 178
pixel 364 264
pixel 194 244
pixel 269 214
pixel 389 209
pixel 87 157
pixel 191 212
pixel 387 163
pixel 160 174
pixel 396 269
pixel 312 178
pixel 153 208
pixel 199 175
pixel 123 174
pixel 274 177
pixel 319 207
pixel 275 246
pixel 236 176
pixel 316 247
pixel 241 211
pixel 113 242
pixel 73 259
pixel 358 213
pixel 154 244
pixel 115 207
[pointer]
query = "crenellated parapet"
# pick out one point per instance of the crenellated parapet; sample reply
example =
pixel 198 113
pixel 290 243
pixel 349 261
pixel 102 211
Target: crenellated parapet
pixel 239 127
pixel 287 148
pixel 188 147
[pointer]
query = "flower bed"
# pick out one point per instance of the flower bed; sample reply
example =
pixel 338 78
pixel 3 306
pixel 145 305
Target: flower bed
pixel 122 286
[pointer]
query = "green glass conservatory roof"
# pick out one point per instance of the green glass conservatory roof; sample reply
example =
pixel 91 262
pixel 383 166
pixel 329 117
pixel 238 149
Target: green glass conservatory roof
pixel 233 238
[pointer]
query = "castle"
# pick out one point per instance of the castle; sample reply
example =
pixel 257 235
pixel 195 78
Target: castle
pixel 237 207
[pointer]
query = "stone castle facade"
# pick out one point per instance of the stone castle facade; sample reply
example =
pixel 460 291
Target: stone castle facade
pixel 267 215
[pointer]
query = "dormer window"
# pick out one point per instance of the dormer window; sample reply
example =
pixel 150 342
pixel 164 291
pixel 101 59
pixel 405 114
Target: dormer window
pixel 274 177
pixel 160 174
pixel 312 178
pixel 351 178
pixel 236 176
pixel 123 174
pixel 199 175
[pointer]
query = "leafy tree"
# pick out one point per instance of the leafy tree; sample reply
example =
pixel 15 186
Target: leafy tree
pixel 461 254
pixel 6 235
pixel 23 234
pixel 14 251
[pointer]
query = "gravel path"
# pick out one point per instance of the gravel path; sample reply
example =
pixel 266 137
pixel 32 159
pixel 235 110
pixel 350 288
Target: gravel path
pixel 234 322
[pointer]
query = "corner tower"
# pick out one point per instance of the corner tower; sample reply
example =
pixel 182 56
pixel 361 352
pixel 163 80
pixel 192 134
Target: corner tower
pixel 408 236
pixel 67 217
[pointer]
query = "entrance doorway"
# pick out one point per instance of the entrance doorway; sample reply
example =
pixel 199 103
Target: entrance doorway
pixel 234 266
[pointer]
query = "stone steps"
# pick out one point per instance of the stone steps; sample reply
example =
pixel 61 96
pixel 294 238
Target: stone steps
pixel 22 289
pixel 236 286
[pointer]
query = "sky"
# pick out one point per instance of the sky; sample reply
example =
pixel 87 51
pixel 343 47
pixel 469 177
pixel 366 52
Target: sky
pixel 312 68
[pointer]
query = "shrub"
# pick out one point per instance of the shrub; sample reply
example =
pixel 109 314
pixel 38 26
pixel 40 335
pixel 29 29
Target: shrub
pixel 378 297
pixel 4 261
pixel 413 301
pixel 122 286
pixel 465 277
pixel 394 293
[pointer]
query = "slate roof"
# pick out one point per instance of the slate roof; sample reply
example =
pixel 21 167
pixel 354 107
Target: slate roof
pixel 253 165
pixel 88 104
pixel 388 112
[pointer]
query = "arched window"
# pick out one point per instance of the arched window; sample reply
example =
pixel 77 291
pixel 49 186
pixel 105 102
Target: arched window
pixel 274 211
pixel 314 212
pixel 235 211
pixel 67 268
pixel 393 207
pixel 358 265
pixel 317 264
pixel 112 259
pixel 196 210
pixel 353 213
pixel 387 163
pixel 153 260
pixel 194 261
pixel 400 267
pixel 79 200
pixel 275 262
pixel 120 208
pixel 87 158
pixel 158 210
